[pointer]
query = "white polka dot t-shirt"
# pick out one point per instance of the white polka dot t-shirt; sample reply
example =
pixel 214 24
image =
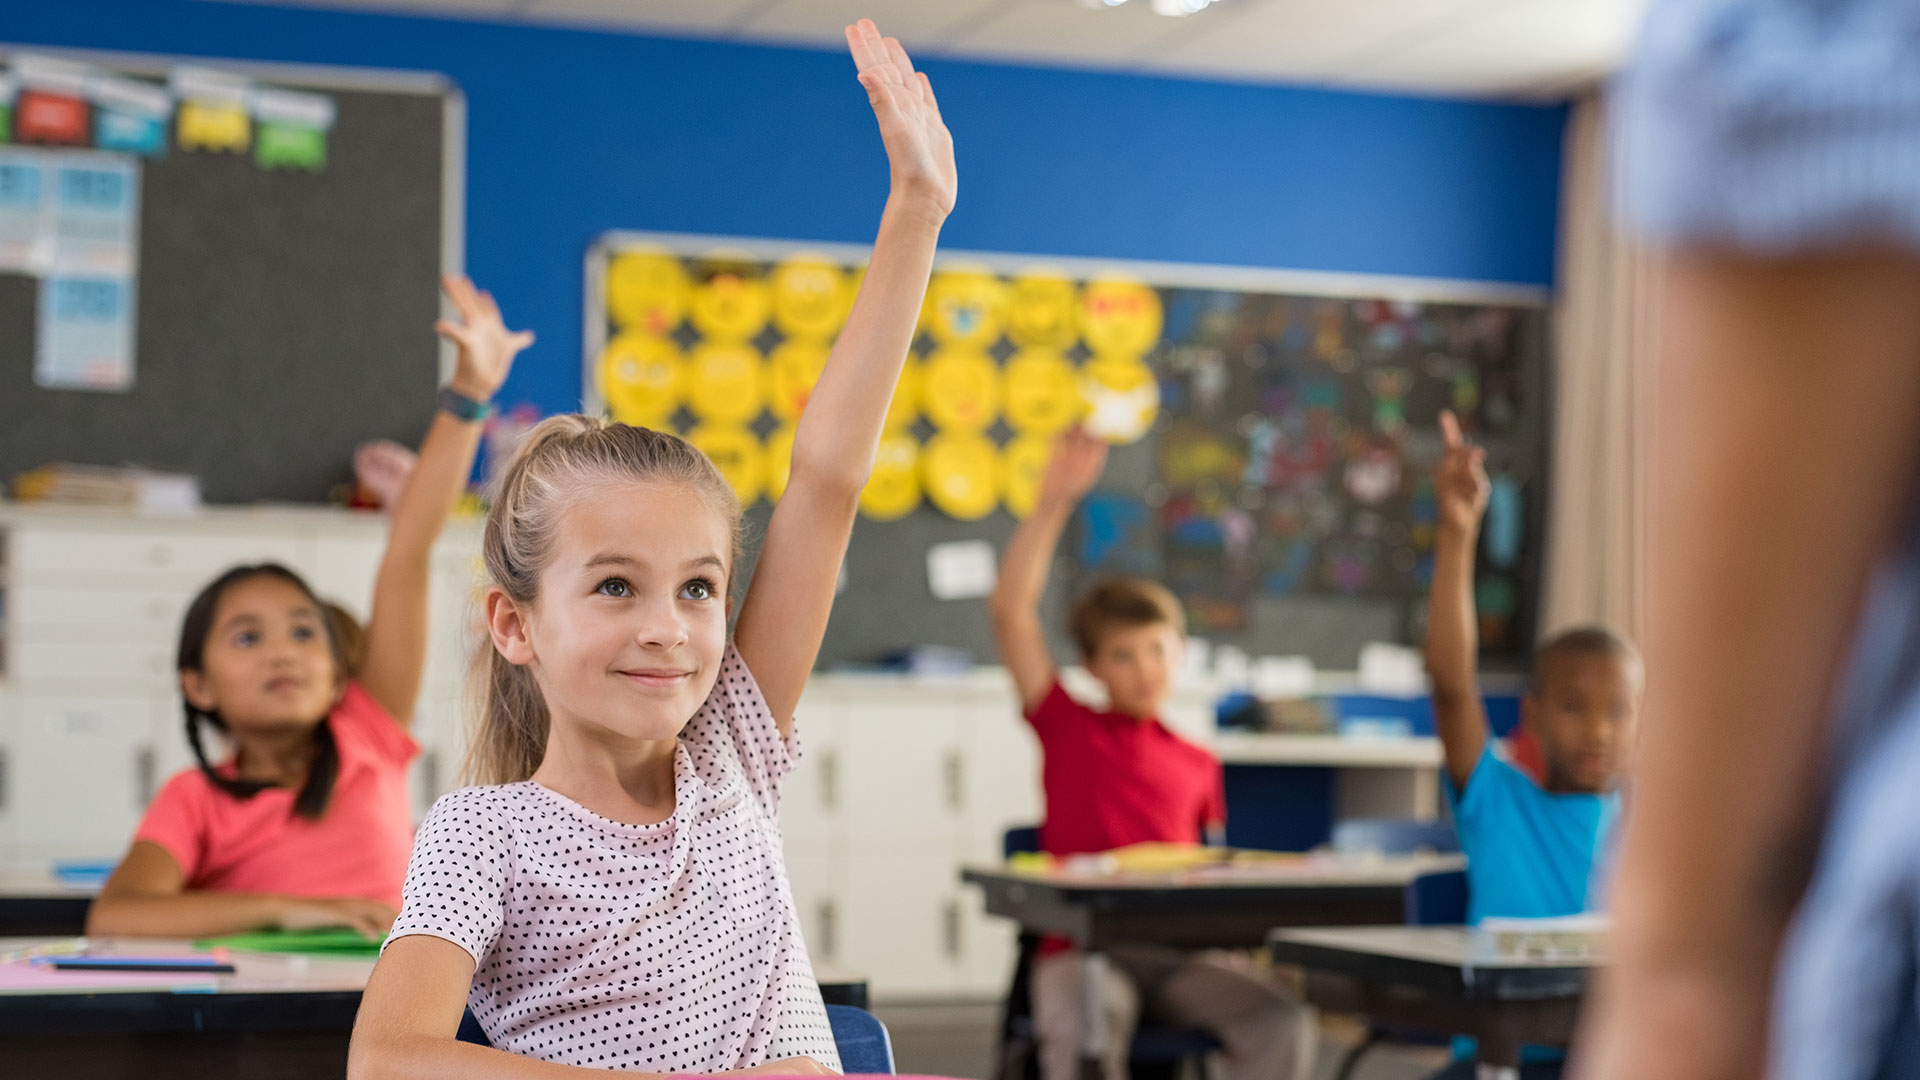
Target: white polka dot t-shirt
pixel 671 947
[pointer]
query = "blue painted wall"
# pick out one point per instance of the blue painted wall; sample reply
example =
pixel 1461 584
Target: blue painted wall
pixel 572 133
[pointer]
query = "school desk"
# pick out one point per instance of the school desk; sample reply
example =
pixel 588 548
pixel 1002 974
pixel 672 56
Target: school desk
pixel 1433 979
pixel 277 1015
pixel 1226 907
pixel 34 902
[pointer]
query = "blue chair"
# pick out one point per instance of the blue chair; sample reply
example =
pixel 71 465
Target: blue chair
pixel 1431 900
pixel 862 1041
pixel 1156 1053
pixel 858 1035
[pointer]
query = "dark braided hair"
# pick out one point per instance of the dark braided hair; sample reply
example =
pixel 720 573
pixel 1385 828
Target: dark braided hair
pixel 194 631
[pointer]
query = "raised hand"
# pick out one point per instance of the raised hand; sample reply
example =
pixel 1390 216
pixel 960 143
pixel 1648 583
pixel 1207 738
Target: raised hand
pixel 487 347
pixel 1460 483
pixel 1077 462
pixel 919 148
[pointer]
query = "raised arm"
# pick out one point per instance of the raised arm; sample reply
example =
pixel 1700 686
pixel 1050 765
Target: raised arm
pixel 1078 459
pixel 397 628
pixel 785 612
pixel 1453 639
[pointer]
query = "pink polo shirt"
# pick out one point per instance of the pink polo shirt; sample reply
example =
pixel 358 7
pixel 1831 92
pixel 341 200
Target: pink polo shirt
pixel 358 847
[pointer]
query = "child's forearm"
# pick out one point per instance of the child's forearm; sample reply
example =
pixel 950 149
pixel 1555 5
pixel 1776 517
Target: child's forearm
pixel 1453 640
pixel 183 915
pixel 838 433
pixel 439 479
pixel 1028 558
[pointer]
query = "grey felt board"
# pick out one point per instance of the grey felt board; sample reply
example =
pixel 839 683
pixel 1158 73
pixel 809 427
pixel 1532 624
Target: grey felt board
pixel 282 317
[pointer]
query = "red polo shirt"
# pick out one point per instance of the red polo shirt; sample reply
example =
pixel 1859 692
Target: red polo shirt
pixel 1112 780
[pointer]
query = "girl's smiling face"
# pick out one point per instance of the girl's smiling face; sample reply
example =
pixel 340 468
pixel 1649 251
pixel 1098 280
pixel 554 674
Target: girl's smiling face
pixel 267 663
pixel 630 624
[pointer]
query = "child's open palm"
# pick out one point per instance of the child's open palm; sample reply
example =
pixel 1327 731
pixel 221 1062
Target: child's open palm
pixel 1460 484
pixel 919 148
pixel 1077 462
pixel 487 347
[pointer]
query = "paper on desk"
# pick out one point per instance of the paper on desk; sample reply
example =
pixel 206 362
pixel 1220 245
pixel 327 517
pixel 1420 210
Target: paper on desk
pixel 1391 670
pixel 1569 938
pixel 960 569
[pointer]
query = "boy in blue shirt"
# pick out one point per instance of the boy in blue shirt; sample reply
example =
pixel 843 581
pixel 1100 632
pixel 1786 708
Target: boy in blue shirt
pixel 1531 847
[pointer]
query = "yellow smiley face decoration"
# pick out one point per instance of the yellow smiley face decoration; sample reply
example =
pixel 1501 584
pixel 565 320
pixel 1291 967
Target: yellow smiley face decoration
pixel 1043 392
pixel 779 462
pixel 792 369
pixel 727 384
pixel 960 390
pixel 1123 398
pixel 1022 463
pixel 730 305
pixel 738 456
pixel 1040 311
pixel 643 379
pixel 893 490
pixel 1119 318
pixel 810 298
pixel 962 474
pixel 647 291
pixel 964 307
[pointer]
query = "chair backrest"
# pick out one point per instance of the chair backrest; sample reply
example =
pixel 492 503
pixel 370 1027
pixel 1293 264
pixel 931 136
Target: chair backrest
pixel 471 1031
pixel 1394 836
pixel 1023 840
pixel 1437 899
pixel 862 1041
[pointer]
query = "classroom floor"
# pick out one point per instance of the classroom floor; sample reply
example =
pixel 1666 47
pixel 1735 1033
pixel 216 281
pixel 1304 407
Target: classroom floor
pixel 958 1040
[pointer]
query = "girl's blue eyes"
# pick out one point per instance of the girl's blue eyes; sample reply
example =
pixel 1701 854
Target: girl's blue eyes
pixel 697 589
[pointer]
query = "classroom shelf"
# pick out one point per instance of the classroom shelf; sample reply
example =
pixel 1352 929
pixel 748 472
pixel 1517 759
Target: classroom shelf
pixel 1337 751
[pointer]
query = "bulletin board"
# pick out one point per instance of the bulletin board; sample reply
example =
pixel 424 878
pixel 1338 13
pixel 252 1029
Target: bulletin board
pixel 1275 432
pixel 282 305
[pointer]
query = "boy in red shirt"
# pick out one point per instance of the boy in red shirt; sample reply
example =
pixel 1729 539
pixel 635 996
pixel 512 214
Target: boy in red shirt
pixel 1116 777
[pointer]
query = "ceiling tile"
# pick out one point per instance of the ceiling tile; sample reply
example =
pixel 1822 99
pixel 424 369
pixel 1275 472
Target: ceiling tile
pixel 921 24
pixel 1523 46
pixel 1295 38
pixel 1067 30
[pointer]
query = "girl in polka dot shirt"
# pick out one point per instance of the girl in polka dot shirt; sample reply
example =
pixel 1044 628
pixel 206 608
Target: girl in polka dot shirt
pixel 615 896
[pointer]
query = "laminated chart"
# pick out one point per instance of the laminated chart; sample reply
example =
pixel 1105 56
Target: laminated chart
pixel 1281 426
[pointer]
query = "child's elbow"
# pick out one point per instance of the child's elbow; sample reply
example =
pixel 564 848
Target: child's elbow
pixel 374 1055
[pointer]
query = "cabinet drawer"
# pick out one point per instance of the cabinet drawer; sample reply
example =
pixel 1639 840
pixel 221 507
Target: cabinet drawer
pixel 175 554
pixel 35 608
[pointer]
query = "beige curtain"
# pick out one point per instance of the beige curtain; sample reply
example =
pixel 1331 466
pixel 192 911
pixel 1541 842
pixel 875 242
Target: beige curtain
pixel 1596 531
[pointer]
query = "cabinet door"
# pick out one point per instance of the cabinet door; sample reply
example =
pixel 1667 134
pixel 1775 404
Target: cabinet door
pixel 903 784
pixel 343 567
pixel 81 775
pixel 989 946
pixel 818 878
pixel 812 793
pixel 1002 774
pixel 164 552
pixel 904 924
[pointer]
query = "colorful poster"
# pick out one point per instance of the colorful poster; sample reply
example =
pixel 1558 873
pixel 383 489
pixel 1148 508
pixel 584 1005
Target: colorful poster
pixel 293 129
pixel 130 116
pixel 91 214
pixel 25 232
pixel 213 114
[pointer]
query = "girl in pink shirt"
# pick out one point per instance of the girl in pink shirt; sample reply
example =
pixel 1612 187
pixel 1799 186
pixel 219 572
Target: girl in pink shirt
pixel 306 823
pixel 616 896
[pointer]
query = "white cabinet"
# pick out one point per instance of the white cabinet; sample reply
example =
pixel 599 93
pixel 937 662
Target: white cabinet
pixel 904 923
pixel 82 772
pixel 90 608
pixel 905 773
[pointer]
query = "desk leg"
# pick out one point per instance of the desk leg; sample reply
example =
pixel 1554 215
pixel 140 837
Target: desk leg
pixel 1093 1003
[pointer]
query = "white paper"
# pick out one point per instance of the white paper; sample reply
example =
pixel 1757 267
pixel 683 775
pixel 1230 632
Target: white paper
pixel 1392 670
pixel 961 569
pixel 1283 678
pixel 26 208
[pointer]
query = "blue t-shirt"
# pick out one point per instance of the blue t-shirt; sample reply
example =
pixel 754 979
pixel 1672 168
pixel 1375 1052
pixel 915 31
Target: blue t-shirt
pixel 1530 853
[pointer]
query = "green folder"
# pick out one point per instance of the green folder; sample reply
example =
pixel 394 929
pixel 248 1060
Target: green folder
pixel 339 942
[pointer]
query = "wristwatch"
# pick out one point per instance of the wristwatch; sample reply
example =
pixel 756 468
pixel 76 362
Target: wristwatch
pixel 461 406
